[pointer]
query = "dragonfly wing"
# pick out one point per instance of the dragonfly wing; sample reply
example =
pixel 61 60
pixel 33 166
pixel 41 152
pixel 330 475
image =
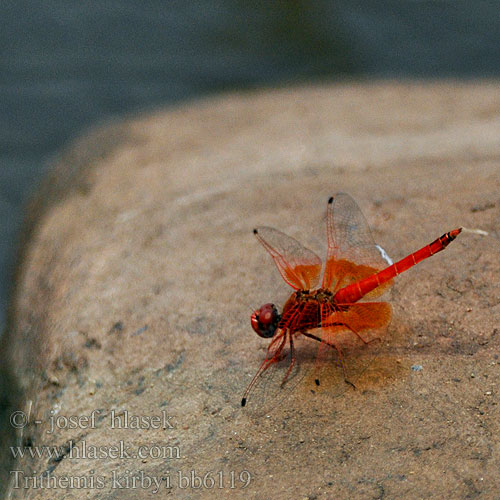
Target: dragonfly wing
pixel 323 354
pixel 350 342
pixel 278 376
pixel 299 266
pixel 352 254
pixel 354 325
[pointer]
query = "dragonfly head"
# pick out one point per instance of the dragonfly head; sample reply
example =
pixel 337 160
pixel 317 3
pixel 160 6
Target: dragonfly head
pixel 265 320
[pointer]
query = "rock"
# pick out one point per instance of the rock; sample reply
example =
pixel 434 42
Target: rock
pixel 141 271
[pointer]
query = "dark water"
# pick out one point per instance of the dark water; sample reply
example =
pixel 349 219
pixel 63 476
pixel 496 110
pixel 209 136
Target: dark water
pixel 67 64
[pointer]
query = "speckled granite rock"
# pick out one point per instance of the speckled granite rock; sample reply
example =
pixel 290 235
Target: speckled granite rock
pixel 141 273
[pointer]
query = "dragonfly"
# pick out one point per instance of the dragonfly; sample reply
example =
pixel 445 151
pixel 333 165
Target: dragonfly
pixel 341 310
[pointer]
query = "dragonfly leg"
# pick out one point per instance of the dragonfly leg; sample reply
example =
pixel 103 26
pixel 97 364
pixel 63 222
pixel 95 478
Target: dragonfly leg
pixel 314 337
pixel 311 336
pixel 358 335
pixel 366 342
pixel 340 354
pixel 346 380
pixel 278 354
pixel 292 361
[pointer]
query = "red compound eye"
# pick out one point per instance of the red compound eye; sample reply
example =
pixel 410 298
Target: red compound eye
pixel 265 320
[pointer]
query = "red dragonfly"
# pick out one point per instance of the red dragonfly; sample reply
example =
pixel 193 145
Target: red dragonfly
pixel 355 269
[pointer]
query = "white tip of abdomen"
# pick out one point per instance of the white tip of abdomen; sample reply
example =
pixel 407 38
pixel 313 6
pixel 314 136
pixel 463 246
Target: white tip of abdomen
pixel 384 255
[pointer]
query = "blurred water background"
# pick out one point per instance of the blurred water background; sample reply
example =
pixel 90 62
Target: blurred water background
pixel 66 64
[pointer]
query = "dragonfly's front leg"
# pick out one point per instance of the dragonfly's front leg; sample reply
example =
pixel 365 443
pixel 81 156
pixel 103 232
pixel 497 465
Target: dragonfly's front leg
pixel 292 360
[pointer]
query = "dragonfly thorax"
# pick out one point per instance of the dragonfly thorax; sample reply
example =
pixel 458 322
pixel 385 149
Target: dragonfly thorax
pixel 321 296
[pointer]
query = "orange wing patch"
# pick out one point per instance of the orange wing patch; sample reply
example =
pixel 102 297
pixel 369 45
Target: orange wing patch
pixel 360 323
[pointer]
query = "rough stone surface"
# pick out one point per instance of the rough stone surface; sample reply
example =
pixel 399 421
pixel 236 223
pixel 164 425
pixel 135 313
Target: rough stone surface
pixel 138 283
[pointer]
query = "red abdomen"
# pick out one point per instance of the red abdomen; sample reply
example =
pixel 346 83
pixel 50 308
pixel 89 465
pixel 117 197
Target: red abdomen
pixel 356 291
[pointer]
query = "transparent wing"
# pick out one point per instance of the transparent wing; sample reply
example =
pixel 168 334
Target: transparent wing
pixel 342 348
pixel 280 372
pixel 352 254
pixel 299 266
pixel 350 342
pixel 277 377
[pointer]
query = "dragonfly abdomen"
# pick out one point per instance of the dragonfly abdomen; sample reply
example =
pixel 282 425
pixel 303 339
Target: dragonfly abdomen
pixel 356 291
